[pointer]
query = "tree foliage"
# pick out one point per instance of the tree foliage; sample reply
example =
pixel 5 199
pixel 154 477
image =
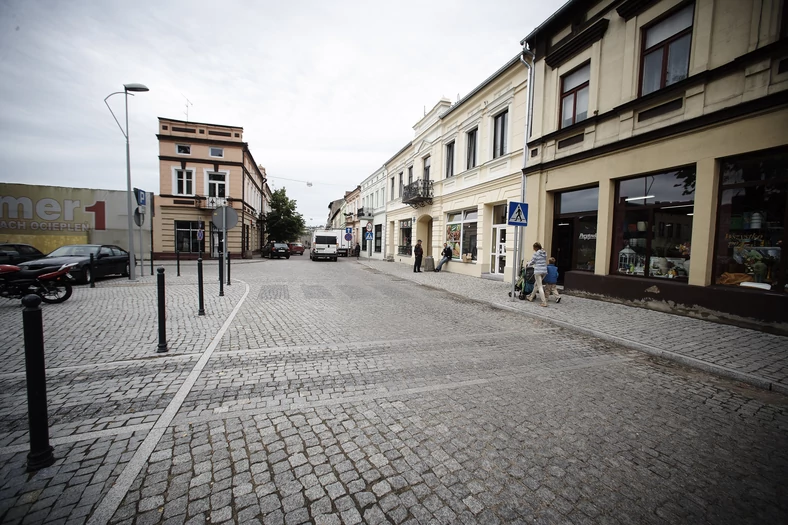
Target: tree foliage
pixel 283 223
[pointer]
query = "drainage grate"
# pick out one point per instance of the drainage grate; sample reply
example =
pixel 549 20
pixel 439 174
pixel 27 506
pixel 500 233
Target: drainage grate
pixel 274 291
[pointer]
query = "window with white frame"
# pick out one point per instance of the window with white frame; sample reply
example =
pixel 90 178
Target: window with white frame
pixel 183 182
pixel 461 233
pixel 450 159
pixel 216 152
pixel 410 174
pixel 427 163
pixel 666 50
pixel 574 96
pixel 471 151
pixel 217 184
pixel 183 149
pixel 499 134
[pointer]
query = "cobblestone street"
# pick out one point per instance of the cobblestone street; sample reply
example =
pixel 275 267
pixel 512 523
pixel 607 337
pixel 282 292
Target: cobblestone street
pixel 359 392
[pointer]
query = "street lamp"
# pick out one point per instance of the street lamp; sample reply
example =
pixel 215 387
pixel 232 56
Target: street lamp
pixel 133 88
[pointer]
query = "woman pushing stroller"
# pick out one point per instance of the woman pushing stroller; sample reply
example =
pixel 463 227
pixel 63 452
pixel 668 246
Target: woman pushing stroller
pixel 539 264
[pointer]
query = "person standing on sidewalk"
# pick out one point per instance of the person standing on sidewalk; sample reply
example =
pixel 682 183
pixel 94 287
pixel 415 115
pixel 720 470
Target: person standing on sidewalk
pixel 551 280
pixel 446 256
pixel 418 251
pixel 539 263
pixel 357 250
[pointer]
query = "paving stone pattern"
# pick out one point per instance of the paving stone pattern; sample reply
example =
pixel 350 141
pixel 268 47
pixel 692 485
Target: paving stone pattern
pixel 347 392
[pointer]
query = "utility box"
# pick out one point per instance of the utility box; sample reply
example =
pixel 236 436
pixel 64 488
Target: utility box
pixel 428 264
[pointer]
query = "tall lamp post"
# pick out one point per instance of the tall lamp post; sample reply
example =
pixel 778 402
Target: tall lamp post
pixel 128 88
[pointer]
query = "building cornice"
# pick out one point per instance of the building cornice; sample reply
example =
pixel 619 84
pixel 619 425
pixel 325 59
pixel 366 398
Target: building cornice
pixel 577 43
pixel 198 140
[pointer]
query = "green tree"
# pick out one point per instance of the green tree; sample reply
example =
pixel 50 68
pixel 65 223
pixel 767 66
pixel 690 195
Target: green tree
pixel 283 223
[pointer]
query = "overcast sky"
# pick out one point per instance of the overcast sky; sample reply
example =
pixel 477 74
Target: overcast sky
pixel 326 91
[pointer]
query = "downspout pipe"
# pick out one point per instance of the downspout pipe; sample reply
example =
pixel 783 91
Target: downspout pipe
pixel 527 58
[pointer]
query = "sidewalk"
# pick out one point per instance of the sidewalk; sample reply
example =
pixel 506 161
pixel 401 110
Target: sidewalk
pixel 750 356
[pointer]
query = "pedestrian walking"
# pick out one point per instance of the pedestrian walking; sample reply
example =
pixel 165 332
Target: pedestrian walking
pixel 551 280
pixel 446 256
pixel 418 251
pixel 539 264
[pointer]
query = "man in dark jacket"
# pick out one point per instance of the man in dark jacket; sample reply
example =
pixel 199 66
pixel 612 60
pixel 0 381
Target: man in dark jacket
pixel 446 255
pixel 418 251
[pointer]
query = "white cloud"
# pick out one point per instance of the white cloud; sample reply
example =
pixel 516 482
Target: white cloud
pixel 325 91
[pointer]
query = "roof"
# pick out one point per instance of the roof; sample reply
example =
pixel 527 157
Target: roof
pixel 561 17
pixel 482 85
pixel 199 123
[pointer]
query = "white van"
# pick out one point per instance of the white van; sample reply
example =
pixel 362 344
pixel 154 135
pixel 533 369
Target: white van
pixel 325 245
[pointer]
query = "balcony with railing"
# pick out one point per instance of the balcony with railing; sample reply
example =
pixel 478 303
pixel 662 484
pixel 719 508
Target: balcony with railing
pixel 417 194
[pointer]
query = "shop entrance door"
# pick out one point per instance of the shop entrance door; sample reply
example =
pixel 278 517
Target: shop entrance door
pixel 216 242
pixel 562 249
pixel 498 249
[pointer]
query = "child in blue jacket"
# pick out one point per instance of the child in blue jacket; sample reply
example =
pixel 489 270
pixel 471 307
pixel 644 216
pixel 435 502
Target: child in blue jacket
pixel 551 280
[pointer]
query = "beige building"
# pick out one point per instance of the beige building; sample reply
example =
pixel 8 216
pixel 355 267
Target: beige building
pixel 352 218
pixel 660 137
pixel 453 181
pixel 202 167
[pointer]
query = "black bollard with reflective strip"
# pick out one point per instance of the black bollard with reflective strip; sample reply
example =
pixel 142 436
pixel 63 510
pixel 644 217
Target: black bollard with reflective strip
pixel 162 313
pixel 201 311
pixel 221 276
pixel 40 455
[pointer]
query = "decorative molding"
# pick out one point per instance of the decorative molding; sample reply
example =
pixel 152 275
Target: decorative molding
pixel 576 44
pixel 632 8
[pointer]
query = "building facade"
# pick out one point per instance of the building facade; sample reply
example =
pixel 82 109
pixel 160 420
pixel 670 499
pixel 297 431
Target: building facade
pixel 203 167
pixel 453 181
pixel 657 166
pixel 373 212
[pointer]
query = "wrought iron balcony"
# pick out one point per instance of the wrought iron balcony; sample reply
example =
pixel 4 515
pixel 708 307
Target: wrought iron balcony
pixel 417 193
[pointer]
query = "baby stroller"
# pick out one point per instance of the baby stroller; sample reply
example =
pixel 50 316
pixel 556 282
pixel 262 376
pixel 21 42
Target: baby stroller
pixel 525 284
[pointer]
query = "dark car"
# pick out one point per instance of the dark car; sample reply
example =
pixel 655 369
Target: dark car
pixel 275 249
pixel 15 253
pixel 296 248
pixel 108 260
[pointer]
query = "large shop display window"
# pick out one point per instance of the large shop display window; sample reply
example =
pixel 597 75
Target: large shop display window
pixel 653 225
pixel 461 234
pixel 186 237
pixel 751 222
pixel 574 230
pixel 405 238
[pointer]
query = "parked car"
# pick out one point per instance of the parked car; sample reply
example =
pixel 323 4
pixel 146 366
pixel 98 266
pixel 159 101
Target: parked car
pixel 275 249
pixel 296 248
pixel 15 253
pixel 108 260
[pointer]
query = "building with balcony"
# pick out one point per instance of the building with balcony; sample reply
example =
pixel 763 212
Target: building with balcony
pixel 373 214
pixel 203 167
pixel 453 181
pixel 660 138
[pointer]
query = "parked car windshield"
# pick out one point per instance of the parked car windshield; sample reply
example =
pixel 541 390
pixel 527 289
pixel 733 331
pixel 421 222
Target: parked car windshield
pixel 75 250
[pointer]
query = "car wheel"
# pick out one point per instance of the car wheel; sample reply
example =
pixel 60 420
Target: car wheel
pixel 86 274
pixel 287 256
pixel 126 270
pixel 270 255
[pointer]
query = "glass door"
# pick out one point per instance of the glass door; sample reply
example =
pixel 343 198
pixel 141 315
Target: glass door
pixel 498 249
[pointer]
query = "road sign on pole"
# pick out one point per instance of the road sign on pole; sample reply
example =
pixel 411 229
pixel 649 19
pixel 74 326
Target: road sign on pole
pixel 369 236
pixel 518 214
pixel 348 230
pixel 369 226
pixel 348 237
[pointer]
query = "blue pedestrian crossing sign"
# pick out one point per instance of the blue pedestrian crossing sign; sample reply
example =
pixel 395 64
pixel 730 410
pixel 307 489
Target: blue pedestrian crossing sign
pixel 518 214
pixel 369 236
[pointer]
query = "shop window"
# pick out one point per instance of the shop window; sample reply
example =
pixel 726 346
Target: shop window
pixel 186 237
pixel 575 230
pixel 751 222
pixel 405 238
pixel 461 234
pixel 666 51
pixel 653 225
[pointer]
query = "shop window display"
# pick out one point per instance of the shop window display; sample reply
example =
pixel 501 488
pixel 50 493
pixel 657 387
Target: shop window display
pixel 653 225
pixel 751 222
pixel 405 238
pixel 461 234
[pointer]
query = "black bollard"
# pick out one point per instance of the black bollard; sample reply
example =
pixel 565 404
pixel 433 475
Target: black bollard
pixel 228 268
pixel 162 314
pixel 221 277
pixel 40 454
pixel 201 311
pixel 151 263
pixel 92 271
pixel 178 261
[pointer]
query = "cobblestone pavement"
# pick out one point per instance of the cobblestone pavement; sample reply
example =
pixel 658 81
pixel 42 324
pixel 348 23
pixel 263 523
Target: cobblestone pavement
pixel 751 356
pixel 347 392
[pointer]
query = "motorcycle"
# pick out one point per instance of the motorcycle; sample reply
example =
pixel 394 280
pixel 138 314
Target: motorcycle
pixel 51 284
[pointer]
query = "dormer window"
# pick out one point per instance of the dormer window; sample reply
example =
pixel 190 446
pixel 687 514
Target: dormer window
pixel 666 51
pixel 183 149
pixel 574 96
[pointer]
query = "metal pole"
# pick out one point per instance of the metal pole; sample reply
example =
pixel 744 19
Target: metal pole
pixel 40 454
pixel 201 310
pixel 221 270
pixel 228 268
pixel 162 314
pixel 177 258
pixel 92 271
pixel 224 239
pixel 142 248
pixel 151 243
pixel 132 262
pixel 516 262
